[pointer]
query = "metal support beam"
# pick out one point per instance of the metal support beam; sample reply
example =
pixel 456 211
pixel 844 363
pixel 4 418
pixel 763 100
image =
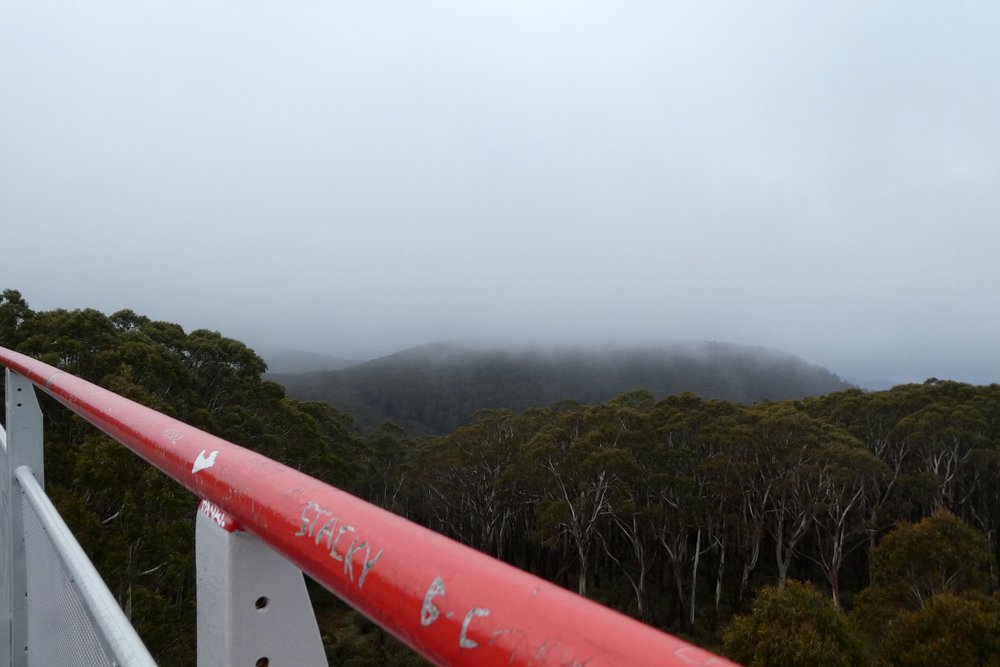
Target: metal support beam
pixel 24 426
pixel 23 447
pixel 253 607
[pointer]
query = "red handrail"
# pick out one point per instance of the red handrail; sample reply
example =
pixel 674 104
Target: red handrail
pixel 450 603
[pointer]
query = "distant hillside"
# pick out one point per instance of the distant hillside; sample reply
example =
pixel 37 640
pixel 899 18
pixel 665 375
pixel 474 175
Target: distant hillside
pixel 435 388
pixel 299 361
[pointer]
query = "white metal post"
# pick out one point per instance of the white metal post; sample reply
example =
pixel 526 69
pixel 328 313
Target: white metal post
pixel 23 447
pixel 253 607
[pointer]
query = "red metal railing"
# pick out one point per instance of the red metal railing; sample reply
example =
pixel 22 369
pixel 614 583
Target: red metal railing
pixel 450 603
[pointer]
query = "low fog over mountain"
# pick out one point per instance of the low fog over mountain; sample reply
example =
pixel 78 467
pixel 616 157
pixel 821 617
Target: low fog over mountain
pixel 434 388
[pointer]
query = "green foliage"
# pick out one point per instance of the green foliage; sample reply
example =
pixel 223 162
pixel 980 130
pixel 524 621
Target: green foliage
pixel 949 630
pixel 13 312
pixel 874 610
pixel 940 554
pixel 917 572
pixel 793 626
pixel 352 641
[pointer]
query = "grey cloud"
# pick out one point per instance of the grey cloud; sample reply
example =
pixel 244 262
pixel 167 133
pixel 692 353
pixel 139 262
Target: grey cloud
pixel 357 177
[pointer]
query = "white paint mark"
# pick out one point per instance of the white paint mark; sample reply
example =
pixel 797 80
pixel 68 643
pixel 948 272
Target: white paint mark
pixel 327 530
pixel 172 434
pixel 309 525
pixel 213 512
pixel 340 533
pixel 203 461
pixel 428 612
pixel 356 545
pixel 368 565
pixel 463 640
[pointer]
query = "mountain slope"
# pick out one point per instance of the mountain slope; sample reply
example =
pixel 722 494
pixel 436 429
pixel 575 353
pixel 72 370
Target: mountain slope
pixel 434 388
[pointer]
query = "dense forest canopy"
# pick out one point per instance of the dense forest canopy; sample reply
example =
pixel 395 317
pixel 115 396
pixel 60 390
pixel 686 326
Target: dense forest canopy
pixel 697 516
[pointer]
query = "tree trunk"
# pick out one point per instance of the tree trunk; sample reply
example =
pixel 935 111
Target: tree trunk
pixel 694 578
pixel 783 564
pixel 719 571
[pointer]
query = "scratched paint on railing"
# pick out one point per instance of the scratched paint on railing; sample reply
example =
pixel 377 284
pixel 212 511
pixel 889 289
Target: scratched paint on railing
pixel 463 639
pixel 172 434
pixel 218 515
pixel 429 612
pixel 312 515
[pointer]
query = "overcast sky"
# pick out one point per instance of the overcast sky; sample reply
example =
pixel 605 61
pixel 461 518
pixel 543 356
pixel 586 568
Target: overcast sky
pixel 358 177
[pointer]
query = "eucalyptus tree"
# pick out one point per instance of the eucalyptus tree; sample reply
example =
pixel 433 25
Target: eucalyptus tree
pixel 949 630
pixel 940 554
pixel 788 441
pixel 917 564
pixel 674 492
pixel 750 498
pixel 872 418
pixel 14 310
pixel 716 498
pixel 983 508
pixel 849 476
pixel 573 488
pixel 631 501
pixel 945 435
pixel 793 626
pixel 387 464
pixel 464 474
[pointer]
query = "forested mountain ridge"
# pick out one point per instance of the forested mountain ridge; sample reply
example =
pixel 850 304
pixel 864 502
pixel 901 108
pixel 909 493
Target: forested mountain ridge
pixel 436 388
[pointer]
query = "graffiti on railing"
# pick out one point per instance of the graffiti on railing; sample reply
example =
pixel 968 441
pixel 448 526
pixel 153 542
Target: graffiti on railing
pixel 218 515
pixel 333 533
pixel 429 612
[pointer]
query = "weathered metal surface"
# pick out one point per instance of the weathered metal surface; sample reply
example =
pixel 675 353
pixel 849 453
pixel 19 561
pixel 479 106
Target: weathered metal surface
pixel 452 604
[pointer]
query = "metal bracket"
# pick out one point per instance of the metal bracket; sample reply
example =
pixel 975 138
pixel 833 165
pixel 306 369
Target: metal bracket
pixel 253 607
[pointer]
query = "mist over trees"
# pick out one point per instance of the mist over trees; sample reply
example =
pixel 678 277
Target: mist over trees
pixel 864 523
pixel 433 389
